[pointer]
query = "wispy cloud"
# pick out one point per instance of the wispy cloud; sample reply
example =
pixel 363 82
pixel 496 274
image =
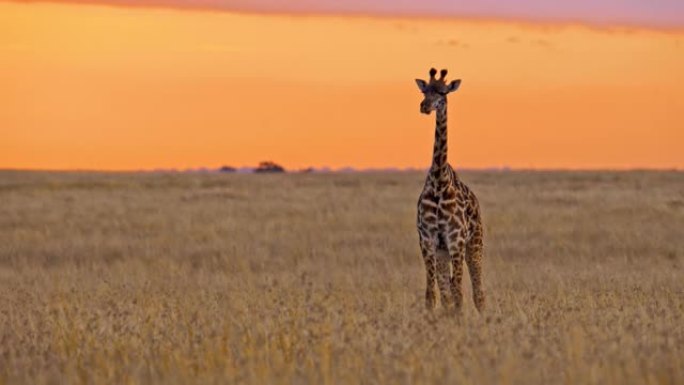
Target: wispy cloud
pixel 653 13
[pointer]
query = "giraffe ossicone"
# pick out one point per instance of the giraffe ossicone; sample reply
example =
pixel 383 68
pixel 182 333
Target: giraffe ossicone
pixel 449 222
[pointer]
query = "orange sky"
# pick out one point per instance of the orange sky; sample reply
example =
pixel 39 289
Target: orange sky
pixel 93 87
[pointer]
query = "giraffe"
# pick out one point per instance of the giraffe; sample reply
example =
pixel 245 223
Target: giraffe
pixel 449 223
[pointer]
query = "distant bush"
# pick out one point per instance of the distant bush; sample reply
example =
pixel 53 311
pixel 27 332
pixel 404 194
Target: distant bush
pixel 268 167
pixel 227 169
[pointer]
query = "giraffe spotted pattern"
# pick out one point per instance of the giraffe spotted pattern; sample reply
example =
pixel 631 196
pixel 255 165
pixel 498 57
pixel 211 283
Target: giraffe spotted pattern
pixel 449 222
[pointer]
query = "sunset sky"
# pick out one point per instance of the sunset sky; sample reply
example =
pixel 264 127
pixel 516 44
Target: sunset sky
pixel 129 85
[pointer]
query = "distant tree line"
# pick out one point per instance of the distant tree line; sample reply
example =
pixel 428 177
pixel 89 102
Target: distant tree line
pixel 269 167
pixel 264 167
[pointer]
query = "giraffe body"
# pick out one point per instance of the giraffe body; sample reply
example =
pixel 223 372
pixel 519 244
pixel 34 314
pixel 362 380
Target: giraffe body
pixel 449 222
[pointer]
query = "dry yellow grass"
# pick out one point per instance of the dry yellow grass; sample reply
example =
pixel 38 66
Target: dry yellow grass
pixel 317 279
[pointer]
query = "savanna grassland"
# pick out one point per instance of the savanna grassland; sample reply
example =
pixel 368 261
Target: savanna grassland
pixel 172 278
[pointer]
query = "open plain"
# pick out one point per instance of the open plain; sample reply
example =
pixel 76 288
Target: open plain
pixel 180 278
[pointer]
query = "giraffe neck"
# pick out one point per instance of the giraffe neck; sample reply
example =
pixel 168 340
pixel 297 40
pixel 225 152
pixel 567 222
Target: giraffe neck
pixel 438 170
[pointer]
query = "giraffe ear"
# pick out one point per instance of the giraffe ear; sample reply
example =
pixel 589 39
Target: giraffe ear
pixel 422 85
pixel 453 86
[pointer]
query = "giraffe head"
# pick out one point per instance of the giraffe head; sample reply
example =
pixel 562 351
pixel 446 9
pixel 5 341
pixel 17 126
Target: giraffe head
pixel 436 90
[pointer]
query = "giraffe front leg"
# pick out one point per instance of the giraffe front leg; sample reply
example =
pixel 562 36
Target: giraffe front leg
pixel 429 259
pixel 457 253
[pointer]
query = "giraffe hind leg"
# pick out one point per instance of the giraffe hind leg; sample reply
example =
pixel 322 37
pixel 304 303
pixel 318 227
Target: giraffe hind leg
pixel 457 252
pixel 474 261
pixel 429 259
pixel 444 277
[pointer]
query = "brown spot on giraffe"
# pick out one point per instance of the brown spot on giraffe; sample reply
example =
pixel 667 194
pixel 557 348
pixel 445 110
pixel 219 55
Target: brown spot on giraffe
pixel 449 222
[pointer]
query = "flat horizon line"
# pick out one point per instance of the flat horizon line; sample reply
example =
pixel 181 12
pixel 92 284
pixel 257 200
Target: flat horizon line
pixel 341 170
